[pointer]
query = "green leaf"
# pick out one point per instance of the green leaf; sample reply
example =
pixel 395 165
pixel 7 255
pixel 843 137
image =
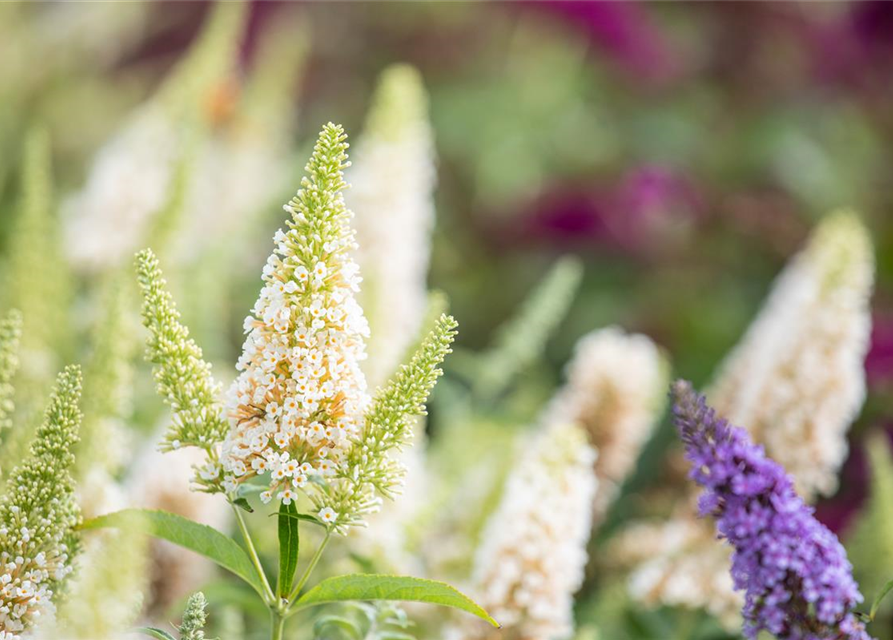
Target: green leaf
pixel 242 503
pixel 181 531
pixel 880 596
pixel 289 544
pixel 365 586
pixel 155 633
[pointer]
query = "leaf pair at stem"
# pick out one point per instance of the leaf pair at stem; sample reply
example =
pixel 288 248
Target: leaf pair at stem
pixel 228 554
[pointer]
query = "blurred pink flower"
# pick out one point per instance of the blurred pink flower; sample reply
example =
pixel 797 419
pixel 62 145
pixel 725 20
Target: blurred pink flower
pixel 879 361
pixel 624 31
pixel 643 211
pixel 857 47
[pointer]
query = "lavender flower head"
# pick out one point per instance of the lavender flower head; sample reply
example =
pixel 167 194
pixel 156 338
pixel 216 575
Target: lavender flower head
pixel 797 580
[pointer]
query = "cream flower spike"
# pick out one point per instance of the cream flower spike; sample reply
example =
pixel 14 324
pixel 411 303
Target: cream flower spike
pixel 394 218
pixel 298 410
pixel 533 551
pixel 796 380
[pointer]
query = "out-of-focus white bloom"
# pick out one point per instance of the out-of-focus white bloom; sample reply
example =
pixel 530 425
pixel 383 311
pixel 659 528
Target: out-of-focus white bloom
pixel 161 481
pixel 247 162
pixel 128 184
pixel 106 593
pixel 533 552
pixel 239 175
pixel 797 381
pixel 135 175
pixel 678 563
pixel 615 390
pixel 98 493
pixel 392 183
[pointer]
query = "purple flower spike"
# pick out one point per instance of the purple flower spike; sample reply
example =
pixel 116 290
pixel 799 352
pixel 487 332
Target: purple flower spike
pixel 797 580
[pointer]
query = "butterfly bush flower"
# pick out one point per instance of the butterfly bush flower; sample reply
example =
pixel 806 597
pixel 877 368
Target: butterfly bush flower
pixel 533 553
pixel 37 515
pixel 678 563
pixel 795 574
pixel 797 379
pixel 615 392
pixel 394 216
pixel 10 334
pixel 298 410
pixel 183 378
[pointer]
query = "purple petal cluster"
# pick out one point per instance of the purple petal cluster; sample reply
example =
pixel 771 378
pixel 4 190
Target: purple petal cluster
pixel 797 580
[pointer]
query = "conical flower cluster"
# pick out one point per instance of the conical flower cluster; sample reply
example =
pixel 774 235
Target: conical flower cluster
pixel 533 553
pixel 37 514
pixel 300 398
pixel 392 183
pixel 797 379
pixel 297 411
pixel 798 583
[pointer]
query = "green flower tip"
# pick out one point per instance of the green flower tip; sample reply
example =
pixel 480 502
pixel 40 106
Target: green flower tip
pixel 183 378
pixel 59 431
pixel 400 102
pixel 194 618
pixel 841 248
pixel 328 161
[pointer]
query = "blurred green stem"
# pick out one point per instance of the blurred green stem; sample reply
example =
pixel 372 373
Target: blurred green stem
pixel 268 592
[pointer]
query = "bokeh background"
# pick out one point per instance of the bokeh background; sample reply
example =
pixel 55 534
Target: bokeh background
pixel 682 151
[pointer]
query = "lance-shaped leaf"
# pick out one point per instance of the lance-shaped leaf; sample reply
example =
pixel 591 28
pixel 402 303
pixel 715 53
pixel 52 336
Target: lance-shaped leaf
pixel 367 586
pixel 200 538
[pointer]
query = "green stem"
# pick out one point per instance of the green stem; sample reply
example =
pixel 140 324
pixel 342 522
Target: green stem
pixel 269 597
pixel 310 568
pixel 277 622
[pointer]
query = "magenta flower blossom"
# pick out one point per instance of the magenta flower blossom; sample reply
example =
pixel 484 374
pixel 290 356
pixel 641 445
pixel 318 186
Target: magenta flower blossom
pixel 797 580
